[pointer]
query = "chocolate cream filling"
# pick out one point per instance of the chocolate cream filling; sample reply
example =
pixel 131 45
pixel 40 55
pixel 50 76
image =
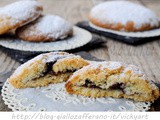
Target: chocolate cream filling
pixel 116 86
pixel 49 70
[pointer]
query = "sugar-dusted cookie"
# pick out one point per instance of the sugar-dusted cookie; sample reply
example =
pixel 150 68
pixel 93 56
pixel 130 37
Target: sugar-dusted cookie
pixel 46 28
pixel 112 79
pixel 46 68
pixel 17 14
pixel 123 16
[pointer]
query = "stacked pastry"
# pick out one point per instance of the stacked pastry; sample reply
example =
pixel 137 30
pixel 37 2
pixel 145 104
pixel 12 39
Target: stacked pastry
pixel 98 79
pixel 29 24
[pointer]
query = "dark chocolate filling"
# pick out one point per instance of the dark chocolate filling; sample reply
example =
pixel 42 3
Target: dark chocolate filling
pixel 116 86
pixel 90 84
pixel 49 70
pixel 49 66
pixel 87 82
pixel 119 86
pixel 53 73
pixel 51 63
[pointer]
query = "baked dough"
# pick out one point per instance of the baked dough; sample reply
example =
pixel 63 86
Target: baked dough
pixel 46 68
pixel 18 14
pixel 123 16
pixel 46 28
pixel 112 79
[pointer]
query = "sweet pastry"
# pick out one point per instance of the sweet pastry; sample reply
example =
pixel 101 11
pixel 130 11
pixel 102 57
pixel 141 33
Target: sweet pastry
pixel 46 28
pixel 17 14
pixel 46 68
pixel 112 79
pixel 123 16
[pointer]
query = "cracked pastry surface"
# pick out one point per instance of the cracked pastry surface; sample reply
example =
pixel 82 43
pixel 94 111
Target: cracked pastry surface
pixel 46 28
pixel 112 79
pixel 123 16
pixel 14 15
pixel 54 67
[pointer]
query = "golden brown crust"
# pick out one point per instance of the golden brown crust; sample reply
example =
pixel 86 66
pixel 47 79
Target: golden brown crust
pixel 119 81
pixel 22 34
pixel 129 27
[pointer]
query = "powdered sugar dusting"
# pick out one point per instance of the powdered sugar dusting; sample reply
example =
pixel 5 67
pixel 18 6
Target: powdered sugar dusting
pixel 53 56
pixel 44 58
pixel 113 65
pixel 53 26
pixel 134 69
pixel 27 64
pixel 110 65
pixel 21 10
pixel 122 12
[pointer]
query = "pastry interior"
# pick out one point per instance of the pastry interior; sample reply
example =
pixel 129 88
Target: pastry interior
pixel 121 82
pixel 45 69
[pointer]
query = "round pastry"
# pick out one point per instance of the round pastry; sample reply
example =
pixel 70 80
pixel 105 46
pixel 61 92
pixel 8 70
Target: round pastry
pixel 123 16
pixel 46 68
pixel 46 28
pixel 17 14
pixel 112 79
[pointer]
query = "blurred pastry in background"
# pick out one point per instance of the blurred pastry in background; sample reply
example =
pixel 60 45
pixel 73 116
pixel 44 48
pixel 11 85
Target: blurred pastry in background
pixel 123 16
pixel 18 14
pixel 46 28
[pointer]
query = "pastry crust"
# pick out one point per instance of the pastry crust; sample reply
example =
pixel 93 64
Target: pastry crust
pixel 123 16
pixel 46 68
pixel 112 79
pixel 14 15
pixel 46 28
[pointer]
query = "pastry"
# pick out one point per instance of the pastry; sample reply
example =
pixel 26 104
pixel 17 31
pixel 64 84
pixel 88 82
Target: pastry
pixel 46 28
pixel 112 79
pixel 123 16
pixel 46 68
pixel 17 14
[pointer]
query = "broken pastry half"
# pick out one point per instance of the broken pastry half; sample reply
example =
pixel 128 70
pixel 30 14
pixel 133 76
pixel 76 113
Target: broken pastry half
pixel 54 67
pixel 112 79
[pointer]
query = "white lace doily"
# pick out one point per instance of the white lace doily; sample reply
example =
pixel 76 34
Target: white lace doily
pixel 54 98
pixel 144 34
pixel 80 37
